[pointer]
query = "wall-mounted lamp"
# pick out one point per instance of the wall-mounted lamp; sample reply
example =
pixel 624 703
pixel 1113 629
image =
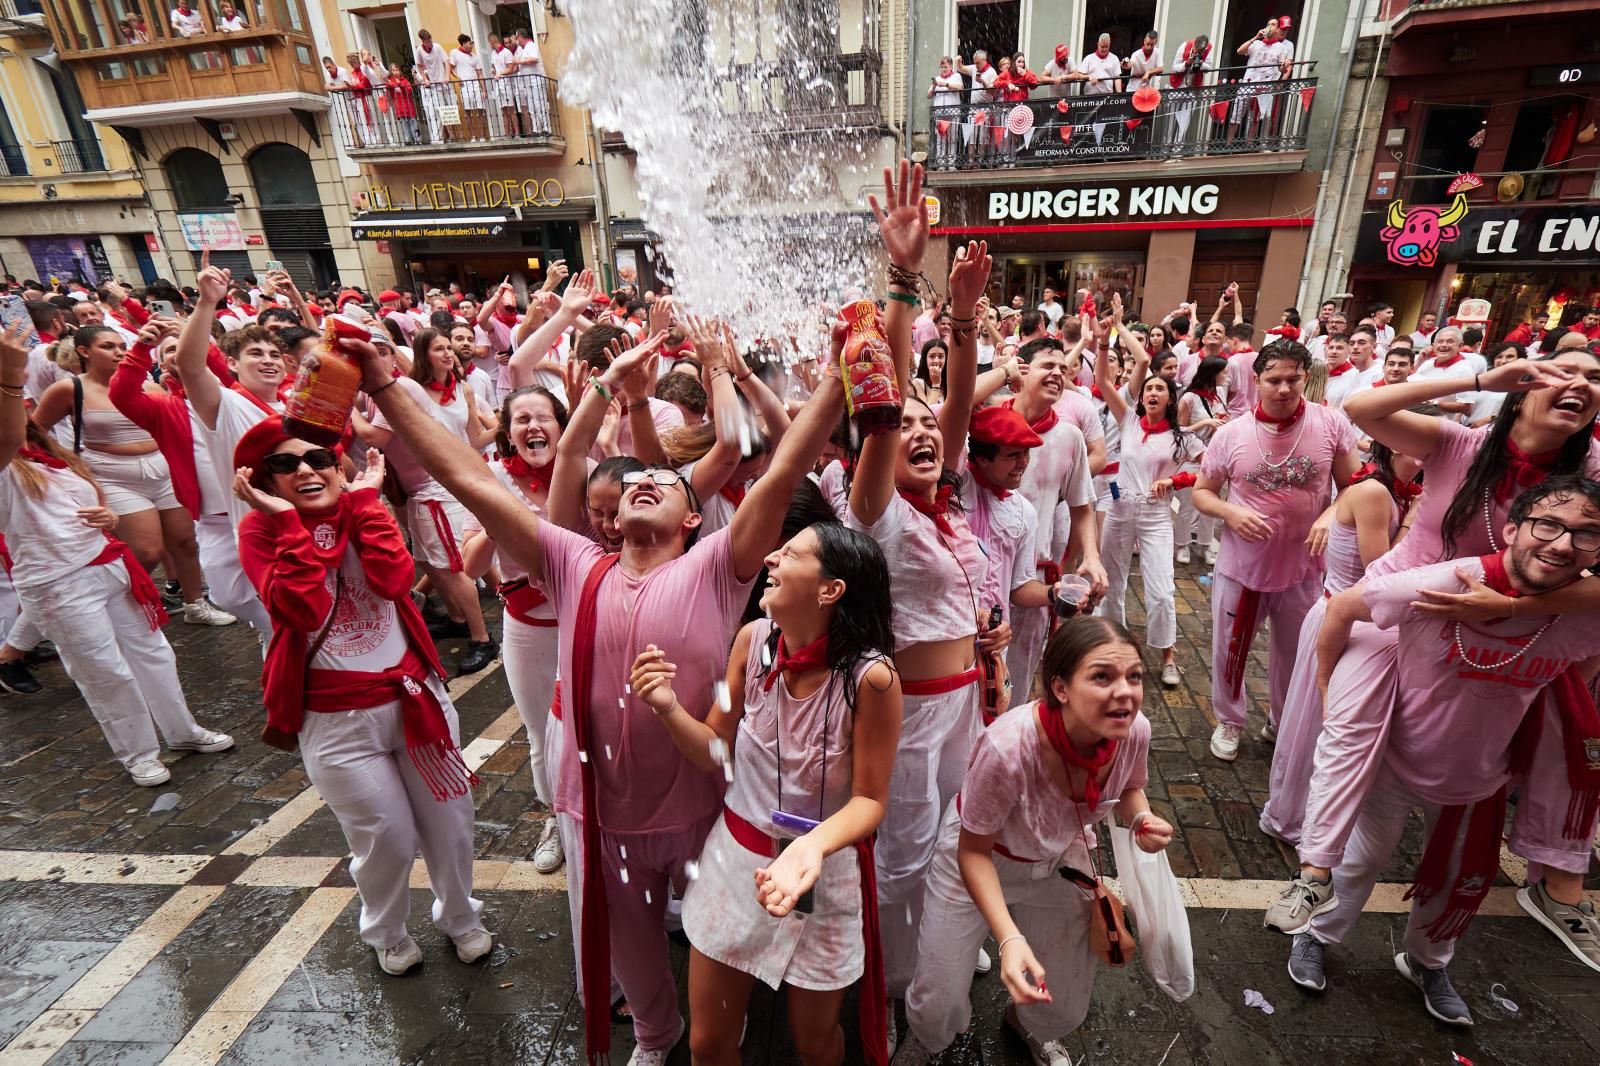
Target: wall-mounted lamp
pixel 235 200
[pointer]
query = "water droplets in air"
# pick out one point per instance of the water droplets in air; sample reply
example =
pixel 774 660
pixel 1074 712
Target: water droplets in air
pixel 705 92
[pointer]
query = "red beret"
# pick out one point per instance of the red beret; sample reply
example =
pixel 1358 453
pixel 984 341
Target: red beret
pixel 346 296
pixel 388 296
pixel 258 442
pixel 1003 428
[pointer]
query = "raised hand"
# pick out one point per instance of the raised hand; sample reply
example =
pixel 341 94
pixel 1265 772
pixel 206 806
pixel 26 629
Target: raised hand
pixel 904 222
pixel 580 293
pixel 969 275
pixel 265 502
pixel 1524 375
pixel 14 352
pixel 212 281
pixel 98 517
pixel 651 680
pixel 661 314
pixel 556 274
pixel 372 476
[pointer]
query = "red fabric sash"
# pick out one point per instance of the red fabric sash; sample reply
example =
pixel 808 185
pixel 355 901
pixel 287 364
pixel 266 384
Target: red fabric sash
pixel 427 732
pixel 1523 470
pixel 810 657
pixel 1046 422
pixel 938 510
pixel 595 931
pixel 446 390
pixel 266 409
pixel 42 457
pixel 1055 731
pixel 1245 617
pixel 938 686
pixel 734 494
pixel 1294 416
pixel 872 1004
pixel 983 480
pixel 140 584
pixel 521 600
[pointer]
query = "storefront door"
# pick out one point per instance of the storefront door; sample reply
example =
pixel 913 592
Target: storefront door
pixel 1215 267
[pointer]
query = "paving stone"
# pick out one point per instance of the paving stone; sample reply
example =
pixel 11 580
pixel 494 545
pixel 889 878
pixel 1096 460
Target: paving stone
pixel 165 999
pixel 286 786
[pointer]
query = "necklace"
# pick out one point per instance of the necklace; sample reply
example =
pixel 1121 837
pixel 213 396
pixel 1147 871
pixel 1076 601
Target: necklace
pixel 1488 524
pixel 1262 448
pixel 1525 649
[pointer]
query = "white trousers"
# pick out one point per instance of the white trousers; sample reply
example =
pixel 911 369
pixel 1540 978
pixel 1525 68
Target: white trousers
pixel 1372 844
pixel 358 761
pixel 126 672
pixel 1147 522
pixel 1191 524
pixel 936 737
pixel 531 654
pixel 225 579
pixel 1029 628
pixel 20 630
pixel 1050 911
pixel 1286 609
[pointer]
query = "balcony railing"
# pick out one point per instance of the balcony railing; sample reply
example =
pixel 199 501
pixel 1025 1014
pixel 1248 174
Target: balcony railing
pixel 1224 116
pixel 834 91
pixel 79 157
pixel 517 110
pixel 13 164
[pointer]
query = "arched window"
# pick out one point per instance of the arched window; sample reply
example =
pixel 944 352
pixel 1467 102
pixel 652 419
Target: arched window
pixel 291 213
pixel 283 177
pixel 197 181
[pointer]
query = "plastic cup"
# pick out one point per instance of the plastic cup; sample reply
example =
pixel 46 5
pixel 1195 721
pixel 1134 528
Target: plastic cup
pixel 1071 591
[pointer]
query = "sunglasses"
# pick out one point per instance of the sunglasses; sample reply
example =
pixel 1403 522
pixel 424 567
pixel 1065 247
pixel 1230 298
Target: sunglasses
pixel 281 463
pixel 664 478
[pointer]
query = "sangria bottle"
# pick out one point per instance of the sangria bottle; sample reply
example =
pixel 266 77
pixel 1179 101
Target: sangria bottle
pixel 318 407
pixel 867 365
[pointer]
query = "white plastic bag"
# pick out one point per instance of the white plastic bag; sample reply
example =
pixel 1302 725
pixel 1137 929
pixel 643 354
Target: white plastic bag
pixel 1150 892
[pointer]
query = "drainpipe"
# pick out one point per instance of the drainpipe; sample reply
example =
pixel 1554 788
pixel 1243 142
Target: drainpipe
pixel 602 202
pixel 1352 36
pixel 911 86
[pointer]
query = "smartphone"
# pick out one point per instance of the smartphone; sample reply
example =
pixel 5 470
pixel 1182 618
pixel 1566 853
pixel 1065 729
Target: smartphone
pixel 163 308
pixel 272 265
pixel 15 309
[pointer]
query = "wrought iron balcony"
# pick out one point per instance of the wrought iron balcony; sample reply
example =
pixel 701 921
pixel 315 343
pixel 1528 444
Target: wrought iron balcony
pixel 1222 116
pixel 13 164
pixel 519 112
pixel 828 93
pixel 79 157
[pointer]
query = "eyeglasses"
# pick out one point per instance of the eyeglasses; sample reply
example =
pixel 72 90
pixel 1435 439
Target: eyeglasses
pixel 288 463
pixel 1549 531
pixel 663 478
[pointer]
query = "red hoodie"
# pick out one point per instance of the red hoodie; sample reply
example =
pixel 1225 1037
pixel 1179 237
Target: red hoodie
pixel 166 418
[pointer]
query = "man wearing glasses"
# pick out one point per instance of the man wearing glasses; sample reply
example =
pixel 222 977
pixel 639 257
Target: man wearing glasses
pixel 1460 719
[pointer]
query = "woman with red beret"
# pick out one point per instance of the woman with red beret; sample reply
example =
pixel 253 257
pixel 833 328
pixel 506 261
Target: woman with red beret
pixel 349 646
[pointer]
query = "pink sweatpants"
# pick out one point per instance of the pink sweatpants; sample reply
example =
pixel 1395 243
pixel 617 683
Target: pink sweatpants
pixel 1377 833
pixel 1299 724
pixel 1286 610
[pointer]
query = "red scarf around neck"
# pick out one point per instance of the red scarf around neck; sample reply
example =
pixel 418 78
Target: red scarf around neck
pixel 811 657
pixel 1055 731
pixel 42 457
pixel 1262 416
pixel 1441 364
pixel 733 493
pixel 1523 470
pixel 1151 428
pixel 446 390
pixel 938 510
pixel 983 482
pixel 539 476
pixel 1046 422
pixel 1343 368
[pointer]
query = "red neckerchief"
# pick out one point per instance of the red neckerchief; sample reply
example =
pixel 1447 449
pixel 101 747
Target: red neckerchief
pixel 1209 395
pixel 505 317
pixel 1523 470
pixel 1094 390
pixel 734 494
pixel 1151 428
pixel 266 408
pixel 47 338
pixel 1046 422
pixel 1055 731
pixel 1343 368
pixel 1281 423
pixel 42 457
pixel 982 480
pixel 810 657
pixel 518 467
pixel 1438 365
pixel 446 390
pixel 938 510
pixel 1380 383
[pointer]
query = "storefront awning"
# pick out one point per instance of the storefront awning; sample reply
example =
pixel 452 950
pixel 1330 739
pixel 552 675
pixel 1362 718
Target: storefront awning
pixel 390 226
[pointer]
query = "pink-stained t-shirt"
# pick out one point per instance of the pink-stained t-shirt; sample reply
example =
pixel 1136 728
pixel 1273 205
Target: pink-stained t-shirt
pixel 1008 792
pixel 690 608
pixel 1446 469
pixel 665 415
pixel 1056 480
pixel 1239 381
pixel 1076 407
pixel 1147 459
pixel 1005 530
pixel 934 577
pixel 1290 494
pixel 1453 722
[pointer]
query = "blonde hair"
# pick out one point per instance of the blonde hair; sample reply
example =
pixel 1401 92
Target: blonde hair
pixel 1317 382
pixel 64 353
pixel 688 444
pixel 32 478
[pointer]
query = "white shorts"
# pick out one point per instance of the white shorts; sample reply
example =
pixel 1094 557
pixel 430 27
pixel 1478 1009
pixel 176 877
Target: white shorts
pixel 437 528
pixel 133 483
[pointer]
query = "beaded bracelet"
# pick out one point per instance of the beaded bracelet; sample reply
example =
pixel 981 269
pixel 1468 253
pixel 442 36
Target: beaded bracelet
pixel 899 275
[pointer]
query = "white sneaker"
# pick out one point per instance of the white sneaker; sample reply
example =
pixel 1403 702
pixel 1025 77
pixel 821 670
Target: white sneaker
pixel 473 945
pixel 1183 556
pixel 205 741
pixel 150 773
pixel 1211 554
pixel 547 854
pixel 1045 1053
pixel 657 1056
pixel 1225 741
pixel 1170 675
pixel 985 964
pixel 204 613
pixel 400 958
pixel 1269 732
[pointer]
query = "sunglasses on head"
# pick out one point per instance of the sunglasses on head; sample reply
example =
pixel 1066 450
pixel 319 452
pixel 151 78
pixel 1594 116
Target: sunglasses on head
pixel 288 462
pixel 663 478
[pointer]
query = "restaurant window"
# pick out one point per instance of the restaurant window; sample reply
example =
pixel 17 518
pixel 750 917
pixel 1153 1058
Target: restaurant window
pixel 1445 149
pixel 1126 20
pixel 990 25
pixel 289 14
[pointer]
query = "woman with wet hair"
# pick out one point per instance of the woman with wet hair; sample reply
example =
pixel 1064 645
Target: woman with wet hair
pixel 1040 779
pixel 812 718
pixel 929 383
pixel 1200 412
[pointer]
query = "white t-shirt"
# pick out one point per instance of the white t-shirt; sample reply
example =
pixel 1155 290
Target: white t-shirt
pixel 430 63
pixel 366 633
pixel 983 84
pixel 1261 61
pixel 46 538
pixel 187 25
pixel 1104 73
pixel 466 65
pixel 529 61
pixel 954 85
pixel 236 414
pixel 1054 312
pixel 1469 363
pixel 501 59
pixel 1138 64
pixel 233 25
pixel 1053 69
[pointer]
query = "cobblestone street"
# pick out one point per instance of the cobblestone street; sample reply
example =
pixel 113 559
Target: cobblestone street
pixel 213 919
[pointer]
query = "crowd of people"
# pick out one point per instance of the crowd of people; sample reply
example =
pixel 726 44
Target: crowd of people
pixel 440 97
pixel 972 103
pixel 717 587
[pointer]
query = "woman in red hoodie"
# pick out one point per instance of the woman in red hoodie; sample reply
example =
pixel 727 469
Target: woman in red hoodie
pixel 349 646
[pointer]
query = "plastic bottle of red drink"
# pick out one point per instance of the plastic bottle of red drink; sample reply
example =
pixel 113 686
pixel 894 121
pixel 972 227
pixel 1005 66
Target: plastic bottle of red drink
pixel 319 404
pixel 867 365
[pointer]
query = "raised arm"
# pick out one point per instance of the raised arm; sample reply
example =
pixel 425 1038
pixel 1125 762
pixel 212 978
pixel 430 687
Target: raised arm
pixel 1382 415
pixel 128 381
pixel 532 350
pixel 968 278
pixel 774 415
pixel 714 469
pixel 194 342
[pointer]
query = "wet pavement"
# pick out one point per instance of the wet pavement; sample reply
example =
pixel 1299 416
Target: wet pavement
pixel 213 919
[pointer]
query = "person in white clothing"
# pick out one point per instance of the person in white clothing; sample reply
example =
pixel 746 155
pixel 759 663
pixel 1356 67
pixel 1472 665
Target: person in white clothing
pixel 85 591
pixel 431 71
pixel 1101 71
pixel 1448 360
pixel 532 97
pixel 1144 64
pixel 1265 63
pixel 467 68
pixel 945 92
pixel 186 21
pixel 983 112
pixel 229 20
pixel 502 86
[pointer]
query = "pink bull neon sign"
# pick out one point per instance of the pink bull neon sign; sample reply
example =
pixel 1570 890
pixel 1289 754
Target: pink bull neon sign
pixel 1413 238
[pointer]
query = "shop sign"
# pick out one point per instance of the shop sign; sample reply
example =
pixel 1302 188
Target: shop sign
pixel 1421 236
pixel 411 231
pixel 1097 201
pixel 1565 74
pixel 467 195
pixel 218 231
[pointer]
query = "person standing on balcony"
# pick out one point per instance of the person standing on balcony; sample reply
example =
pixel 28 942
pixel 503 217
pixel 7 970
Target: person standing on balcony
pixel 403 106
pixel 1102 71
pixel 362 107
pixel 983 78
pixel 229 20
pixel 1267 59
pixel 946 95
pixel 1144 64
pixel 467 68
pixel 530 90
pixel 502 89
pixel 186 21
pixel 432 73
